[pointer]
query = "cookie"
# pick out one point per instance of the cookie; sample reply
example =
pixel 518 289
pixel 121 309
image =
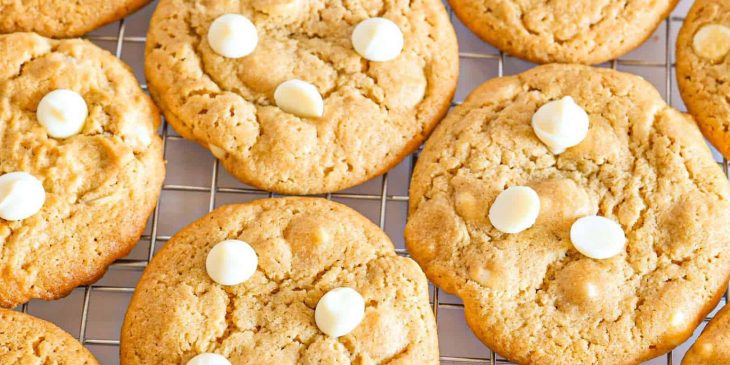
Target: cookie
pixel 25 339
pixel 306 247
pixel 584 31
pixel 703 69
pixel 711 347
pixel 612 199
pixel 80 164
pixel 293 107
pixel 62 18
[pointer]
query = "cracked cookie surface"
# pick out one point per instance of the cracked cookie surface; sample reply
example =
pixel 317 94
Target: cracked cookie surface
pixel 101 184
pixel 62 18
pixel 26 340
pixel 704 83
pixel 375 113
pixel 564 31
pixel 306 247
pixel 712 345
pixel 532 296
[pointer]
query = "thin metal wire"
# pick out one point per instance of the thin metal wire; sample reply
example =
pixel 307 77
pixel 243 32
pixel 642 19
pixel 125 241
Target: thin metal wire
pixel 156 214
pixel 727 173
pixel 213 185
pixel 383 200
pixel 668 96
pixel 154 238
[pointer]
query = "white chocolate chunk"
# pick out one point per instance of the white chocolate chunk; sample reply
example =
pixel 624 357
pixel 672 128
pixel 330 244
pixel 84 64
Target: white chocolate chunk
pixel 515 209
pixel 21 196
pixel 299 98
pixel 678 319
pixel 712 41
pixel 231 262
pixel 592 290
pixel 707 349
pixel 218 152
pixel 339 311
pixel 560 124
pixel 63 112
pixel 377 39
pixel 208 358
pixel 232 36
pixel 137 135
pixel 597 237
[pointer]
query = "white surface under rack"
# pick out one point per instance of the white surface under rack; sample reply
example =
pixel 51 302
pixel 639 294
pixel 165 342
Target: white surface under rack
pixel 196 184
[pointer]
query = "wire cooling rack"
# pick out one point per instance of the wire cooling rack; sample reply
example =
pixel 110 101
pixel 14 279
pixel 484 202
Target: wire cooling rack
pixel 196 184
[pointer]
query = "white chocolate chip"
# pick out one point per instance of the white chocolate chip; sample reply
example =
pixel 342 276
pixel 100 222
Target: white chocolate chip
pixel 299 98
pixel 231 262
pixel 712 41
pixel 515 209
pixel 63 113
pixel 208 358
pixel 597 237
pixel 232 36
pixel 21 196
pixel 560 124
pixel 377 39
pixel 339 311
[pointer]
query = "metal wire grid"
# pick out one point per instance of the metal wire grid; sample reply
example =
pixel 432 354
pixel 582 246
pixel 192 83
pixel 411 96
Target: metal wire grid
pixel 383 197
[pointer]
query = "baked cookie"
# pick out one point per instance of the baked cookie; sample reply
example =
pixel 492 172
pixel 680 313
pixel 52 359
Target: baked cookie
pixel 712 345
pixel 575 213
pixel 80 164
pixel 62 18
pixel 582 31
pixel 304 247
pixel 294 106
pixel 703 69
pixel 25 340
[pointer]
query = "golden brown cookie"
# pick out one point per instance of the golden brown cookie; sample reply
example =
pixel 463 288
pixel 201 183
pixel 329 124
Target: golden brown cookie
pixel 711 347
pixel 62 18
pixel 583 31
pixel 532 296
pixel 100 184
pixel 305 247
pixel 375 113
pixel 703 69
pixel 26 340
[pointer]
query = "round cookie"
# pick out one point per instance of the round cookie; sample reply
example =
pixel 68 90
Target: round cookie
pixel 532 296
pixel 25 339
pixel 305 248
pixel 703 70
pixel 100 184
pixel 712 345
pixel 583 31
pixel 62 18
pixel 375 113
